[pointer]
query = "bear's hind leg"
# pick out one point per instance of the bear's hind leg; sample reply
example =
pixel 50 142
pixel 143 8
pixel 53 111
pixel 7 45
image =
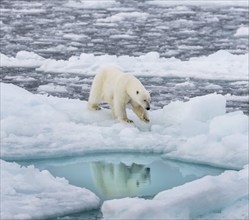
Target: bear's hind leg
pixel 95 96
pixel 93 101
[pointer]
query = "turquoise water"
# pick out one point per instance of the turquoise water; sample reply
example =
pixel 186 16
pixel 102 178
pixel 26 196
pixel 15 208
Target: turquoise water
pixel 122 175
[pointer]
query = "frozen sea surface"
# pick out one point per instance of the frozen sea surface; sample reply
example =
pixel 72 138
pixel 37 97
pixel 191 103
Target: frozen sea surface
pixel 182 51
pixel 36 127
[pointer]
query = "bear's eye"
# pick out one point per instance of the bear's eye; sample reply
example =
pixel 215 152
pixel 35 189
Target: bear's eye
pixel 145 100
pixel 137 92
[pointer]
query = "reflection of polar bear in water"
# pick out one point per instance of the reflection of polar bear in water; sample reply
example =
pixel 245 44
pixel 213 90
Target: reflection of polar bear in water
pixel 117 180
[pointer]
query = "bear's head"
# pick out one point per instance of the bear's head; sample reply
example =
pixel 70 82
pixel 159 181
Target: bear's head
pixel 142 97
pixel 137 92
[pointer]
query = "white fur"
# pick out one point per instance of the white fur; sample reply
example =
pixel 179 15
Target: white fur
pixel 119 89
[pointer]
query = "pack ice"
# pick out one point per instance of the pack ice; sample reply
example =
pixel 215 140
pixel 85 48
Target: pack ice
pixel 220 65
pixel 211 197
pixel 27 193
pixel 199 131
pixel 37 126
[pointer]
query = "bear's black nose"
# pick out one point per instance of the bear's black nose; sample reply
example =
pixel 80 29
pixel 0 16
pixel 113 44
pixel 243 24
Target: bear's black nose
pixel 148 108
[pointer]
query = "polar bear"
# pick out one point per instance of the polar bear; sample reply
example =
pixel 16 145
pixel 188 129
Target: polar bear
pixel 119 89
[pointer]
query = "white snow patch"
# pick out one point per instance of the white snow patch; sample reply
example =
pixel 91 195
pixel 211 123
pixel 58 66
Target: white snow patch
pixel 242 32
pixel 22 59
pixel 213 86
pixel 24 10
pixel 75 37
pixel 237 210
pixel 185 84
pixel 124 16
pixel 207 195
pixel 27 193
pixel 58 48
pixel 244 98
pixel 51 87
pixel 166 3
pixel 200 130
pixel 91 4
pixel 122 36
pixel 220 65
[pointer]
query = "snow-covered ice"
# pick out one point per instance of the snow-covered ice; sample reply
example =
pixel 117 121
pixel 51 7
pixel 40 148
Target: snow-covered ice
pixel 199 130
pixel 242 32
pixel 166 3
pixel 220 65
pixel 196 131
pixel 210 196
pixel 51 88
pixel 27 193
pixel 125 15
pixel 22 59
pixel 91 4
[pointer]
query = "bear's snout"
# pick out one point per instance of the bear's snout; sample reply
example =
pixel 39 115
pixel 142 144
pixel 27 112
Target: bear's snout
pixel 147 106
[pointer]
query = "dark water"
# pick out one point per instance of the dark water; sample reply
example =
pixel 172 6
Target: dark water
pixel 132 176
pixel 54 29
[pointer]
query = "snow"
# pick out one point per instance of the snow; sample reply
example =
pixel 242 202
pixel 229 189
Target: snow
pixel 210 196
pixel 74 37
pixel 22 59
pixel 242 32
pixel 199 130
pixel 27 193
pixel 123 16
pixel 50 87
pixel 92 4
pixel 166 3
pixel 220 65
pixel 237 98
pixel 237 210
pixel 196 131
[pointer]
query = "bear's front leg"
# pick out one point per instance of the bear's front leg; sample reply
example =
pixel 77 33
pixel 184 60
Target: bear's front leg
pixel 127 120
pixel 120 111
pixel 93 107
pixel 140 112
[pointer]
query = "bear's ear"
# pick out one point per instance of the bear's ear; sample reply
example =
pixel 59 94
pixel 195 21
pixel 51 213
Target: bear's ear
pixel 137 92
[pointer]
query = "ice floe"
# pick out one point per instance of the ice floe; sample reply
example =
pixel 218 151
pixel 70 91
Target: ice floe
pixel 166 3
pixel 93 4
pixel 27 193
pixel 220 65
pixel 125 15
pixel 242 32
pixel 199 130
pixel 211 197
pixel 52 88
